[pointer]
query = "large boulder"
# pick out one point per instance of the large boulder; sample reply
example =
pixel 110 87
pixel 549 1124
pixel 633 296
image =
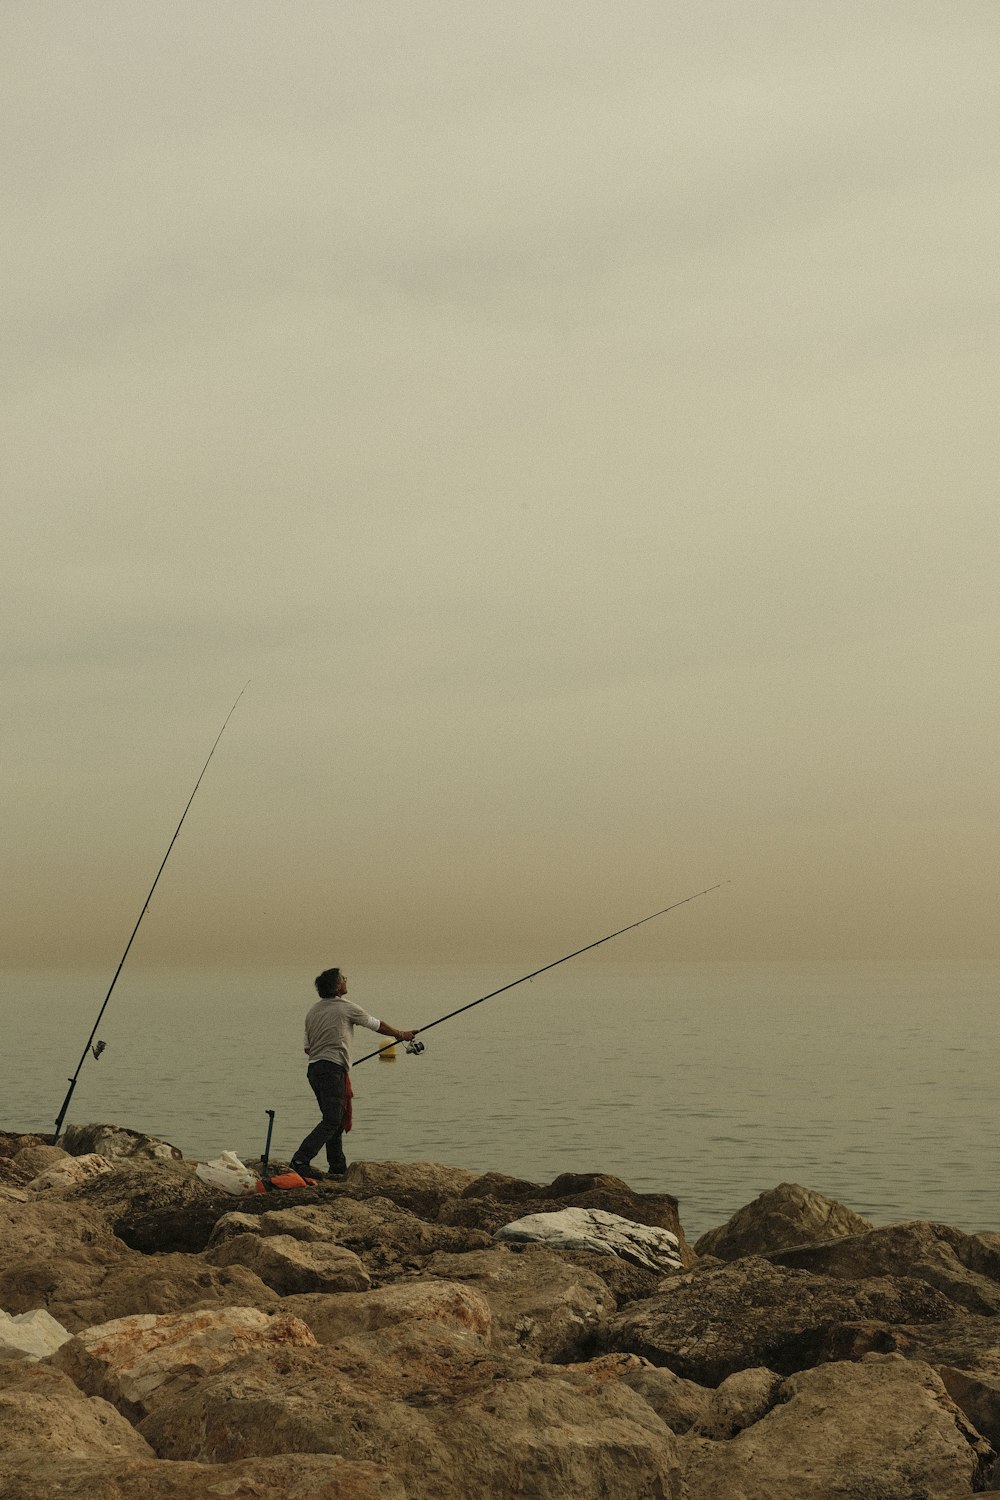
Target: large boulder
pixel 448 1418
pixel 933 1252
pixel 159 1284
pixel 52 1251
pixel 709 1324
pixel 626 1282
pixel 289 1265
pixel 542 1303
pixel 131 1361
pixel 592 1229
pixel 678 1402
pixel 116 1142
pixel 783 1216
pixel 446 1303
pixel 14 1174
pixel 740 1401
pixel 37 1159
pixel 981 1252
pixel 964 1352
pixel 292 1476
pixel 420 1186
pixel 684 1406
pixel 42 1412
pixel 884 1428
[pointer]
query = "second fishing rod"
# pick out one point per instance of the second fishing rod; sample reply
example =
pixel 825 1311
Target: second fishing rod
pixel 418 1047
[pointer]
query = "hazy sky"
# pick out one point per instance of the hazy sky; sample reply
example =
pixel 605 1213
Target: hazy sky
pixel 579 423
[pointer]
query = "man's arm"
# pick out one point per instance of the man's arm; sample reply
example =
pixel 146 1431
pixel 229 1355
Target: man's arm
pixel 400 1036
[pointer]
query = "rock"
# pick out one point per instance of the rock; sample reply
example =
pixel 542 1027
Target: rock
pixel 541 1304
pixel 492 1201
pixel 499 1186
pixel 14 1174
pixel 388 1239
pixel 328 1223
pixel 976 1393
pixel 625 1282
pixel 69 1173
pixel 42 1413
pixel 61 1256
pixel 885 1428
pixel 30 1335
pixel 292 1476
pixel 592 1229
pixel 678 1402
pixel 446 1303
pixel 289 1265
pixel 420 1186
pixel 162 1284
pixel 447 1417
pixel 737 1403
pixel 931 1252
pixel 131 1360
pixel 720 1414
pixel 783 1216
pixel 960 1339
pixel 155 1205
pixel 117 1142
pixel 232 1224
pixel 11 1142
pixel 50 1250
pixel 981 1252
pixel 708 1325
pixel 37 1159
pixel 964 1352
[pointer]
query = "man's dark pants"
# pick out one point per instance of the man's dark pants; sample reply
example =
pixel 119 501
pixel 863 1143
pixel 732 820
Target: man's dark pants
pixel 327 1081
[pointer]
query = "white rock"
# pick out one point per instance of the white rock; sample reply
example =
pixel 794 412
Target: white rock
pixel 70 1173
pixel 593 1229
pixel 30 1335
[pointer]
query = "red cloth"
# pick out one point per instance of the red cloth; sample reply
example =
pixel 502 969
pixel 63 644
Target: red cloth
pixel 347 1118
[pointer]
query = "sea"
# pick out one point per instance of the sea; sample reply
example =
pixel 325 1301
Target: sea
pixel 872 1083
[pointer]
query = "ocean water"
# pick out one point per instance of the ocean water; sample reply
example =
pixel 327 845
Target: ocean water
pixel 871 1083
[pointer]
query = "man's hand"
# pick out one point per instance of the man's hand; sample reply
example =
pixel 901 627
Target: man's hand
pixel 405 1036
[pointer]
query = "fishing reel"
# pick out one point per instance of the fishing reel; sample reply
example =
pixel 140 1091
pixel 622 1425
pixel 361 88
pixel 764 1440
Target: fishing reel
pixel 97 1049
pixel 415 1047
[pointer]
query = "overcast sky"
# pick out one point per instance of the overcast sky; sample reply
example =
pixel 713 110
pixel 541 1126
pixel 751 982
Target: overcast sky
pixel 579 424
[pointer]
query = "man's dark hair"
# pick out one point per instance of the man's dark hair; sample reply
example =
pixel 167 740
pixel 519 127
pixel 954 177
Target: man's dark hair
pixel 326 984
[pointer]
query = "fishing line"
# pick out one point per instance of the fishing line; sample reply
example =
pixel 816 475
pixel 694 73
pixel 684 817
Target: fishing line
pixel 418 1047
pixel 100 1045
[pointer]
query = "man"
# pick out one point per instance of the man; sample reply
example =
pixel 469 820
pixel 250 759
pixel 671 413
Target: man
pixel 329 1028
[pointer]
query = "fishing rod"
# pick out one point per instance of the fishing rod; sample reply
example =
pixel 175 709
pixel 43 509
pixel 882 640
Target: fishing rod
pixel 99 1048
pixel 419 1046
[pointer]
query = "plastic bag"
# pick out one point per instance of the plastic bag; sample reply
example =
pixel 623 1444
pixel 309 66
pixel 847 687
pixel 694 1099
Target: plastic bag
pixel 228 1173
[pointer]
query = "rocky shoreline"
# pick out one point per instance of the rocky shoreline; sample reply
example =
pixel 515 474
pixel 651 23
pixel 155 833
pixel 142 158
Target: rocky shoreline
pixel 415 1330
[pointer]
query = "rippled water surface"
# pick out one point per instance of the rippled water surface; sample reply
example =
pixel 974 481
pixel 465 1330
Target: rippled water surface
pixel 872 1083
